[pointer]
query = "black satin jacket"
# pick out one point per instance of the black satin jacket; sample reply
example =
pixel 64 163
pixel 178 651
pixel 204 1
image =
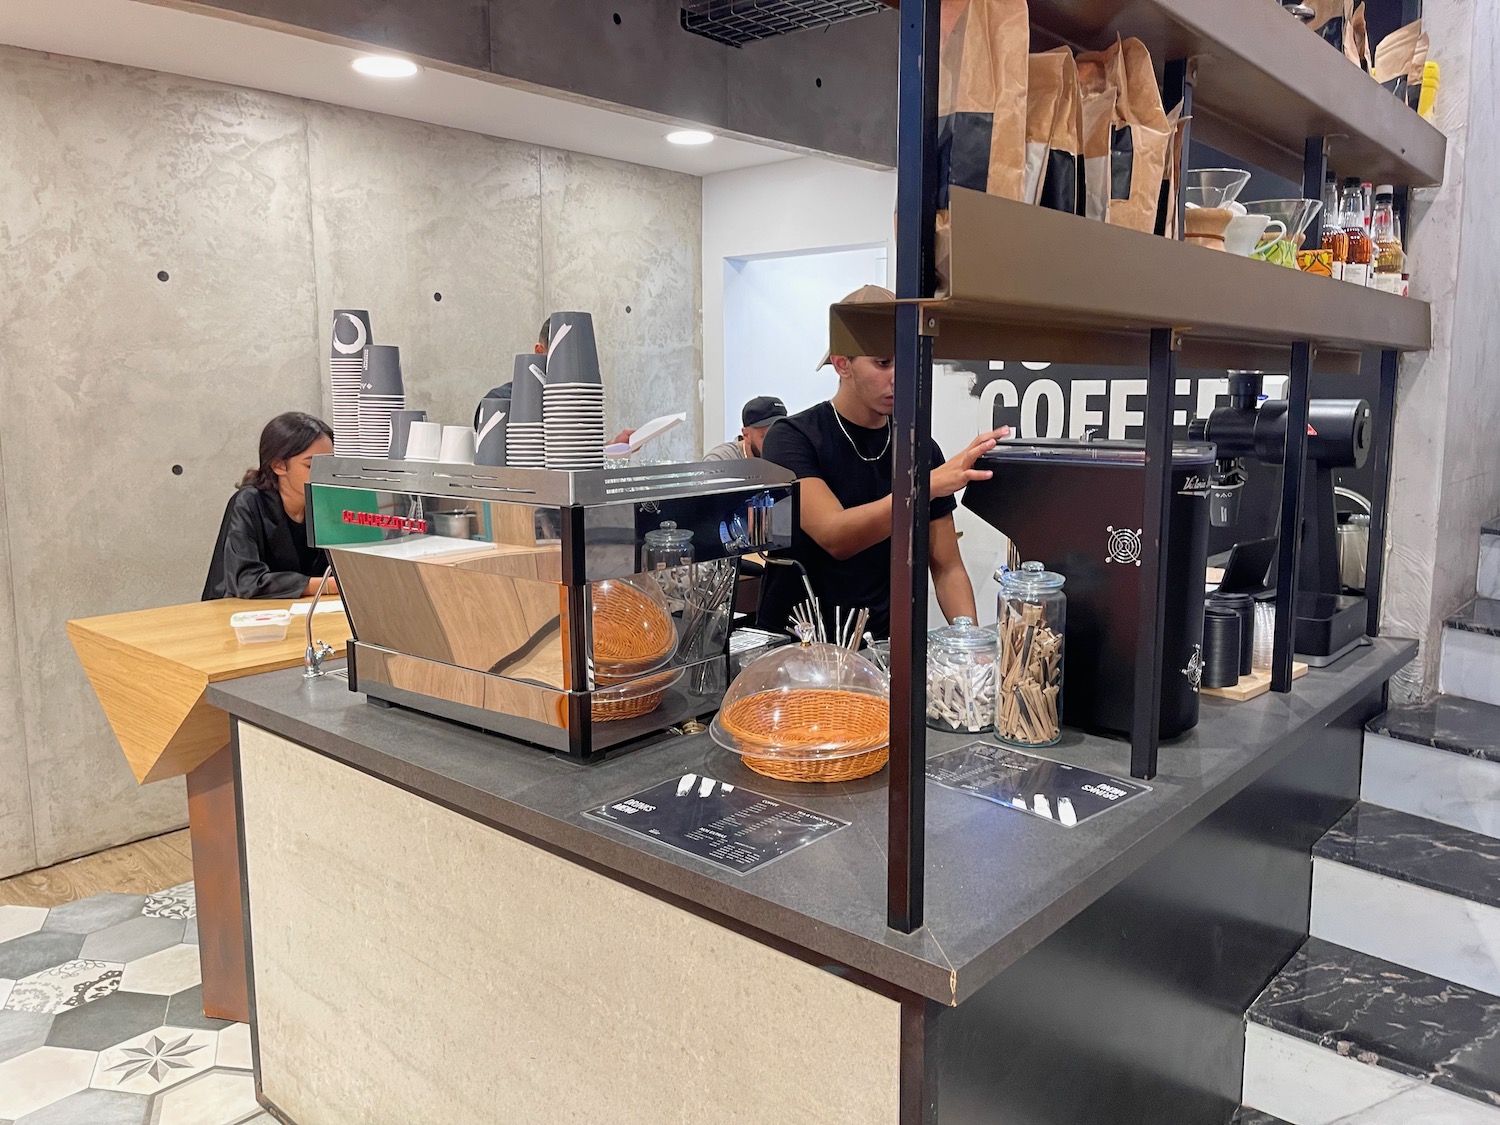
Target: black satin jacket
pixel 261 552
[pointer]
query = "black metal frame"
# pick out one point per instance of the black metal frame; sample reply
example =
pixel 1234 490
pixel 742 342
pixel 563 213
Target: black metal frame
pixel 915 253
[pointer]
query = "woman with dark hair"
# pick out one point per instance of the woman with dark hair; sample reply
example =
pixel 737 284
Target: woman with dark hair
pixel 262 550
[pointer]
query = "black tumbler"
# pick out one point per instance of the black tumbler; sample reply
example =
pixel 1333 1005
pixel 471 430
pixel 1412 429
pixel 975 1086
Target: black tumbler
pixel 1244 606
pixel 1221 647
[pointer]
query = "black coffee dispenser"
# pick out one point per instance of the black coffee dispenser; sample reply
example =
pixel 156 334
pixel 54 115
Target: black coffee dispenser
pixel 1078 508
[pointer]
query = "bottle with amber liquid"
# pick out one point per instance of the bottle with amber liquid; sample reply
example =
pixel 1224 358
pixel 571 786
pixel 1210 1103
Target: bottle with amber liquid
pixel 1360 250
pixel 1333 230
pixel 1385 232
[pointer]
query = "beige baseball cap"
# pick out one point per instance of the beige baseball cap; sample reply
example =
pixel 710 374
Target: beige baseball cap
pixel 864 295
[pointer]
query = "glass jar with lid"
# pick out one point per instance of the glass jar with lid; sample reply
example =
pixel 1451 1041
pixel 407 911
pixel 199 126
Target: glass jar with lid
pixel 669 559
pixel 963 677
pixel 1031 624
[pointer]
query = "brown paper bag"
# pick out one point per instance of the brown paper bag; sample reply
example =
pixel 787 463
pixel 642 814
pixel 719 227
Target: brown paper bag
pixel 1329 18
pixel 982 97
pixel 1357 39
pixel 1139 134
pixel 1397 52
pixel 1166 212
pixel 1054 132
pixel 1097 98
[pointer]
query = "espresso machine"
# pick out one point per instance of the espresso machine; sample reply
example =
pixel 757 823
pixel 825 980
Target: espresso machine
pixel 1339 431
pixel 1077 507
pixel 530 602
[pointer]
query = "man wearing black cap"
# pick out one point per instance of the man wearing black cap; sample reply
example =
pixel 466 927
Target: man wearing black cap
pixel 756 418
pixel 841 452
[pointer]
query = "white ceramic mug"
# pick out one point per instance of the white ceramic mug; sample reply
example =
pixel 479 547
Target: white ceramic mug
pixel 424 442
pixel 1245 233
pixel 457 445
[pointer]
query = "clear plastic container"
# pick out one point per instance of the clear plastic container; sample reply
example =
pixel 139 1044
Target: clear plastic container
pixel 963 677
pixel 259 626
pixel 669 559
pixel 1031 625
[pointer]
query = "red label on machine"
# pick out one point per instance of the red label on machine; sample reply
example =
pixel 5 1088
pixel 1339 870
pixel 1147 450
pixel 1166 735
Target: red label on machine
pixel 391 523
pixel 1310 431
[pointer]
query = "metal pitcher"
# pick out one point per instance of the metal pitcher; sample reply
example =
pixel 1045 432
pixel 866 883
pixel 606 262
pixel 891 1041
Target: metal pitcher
pixel 1353 541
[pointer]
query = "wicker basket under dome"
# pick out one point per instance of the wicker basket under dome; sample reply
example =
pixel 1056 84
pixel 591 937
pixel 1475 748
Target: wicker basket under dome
pixel 810 712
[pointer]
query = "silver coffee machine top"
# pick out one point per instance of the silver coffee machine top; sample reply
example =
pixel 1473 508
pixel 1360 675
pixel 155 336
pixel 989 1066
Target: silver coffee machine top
pixel 541 605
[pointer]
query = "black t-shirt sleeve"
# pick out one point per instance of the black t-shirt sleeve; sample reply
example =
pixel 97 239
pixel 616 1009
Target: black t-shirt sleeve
pixel 786 445
pixel 943 505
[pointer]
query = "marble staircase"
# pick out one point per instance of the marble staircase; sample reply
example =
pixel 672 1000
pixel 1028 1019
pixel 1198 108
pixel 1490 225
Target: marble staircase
pixel 1389 1014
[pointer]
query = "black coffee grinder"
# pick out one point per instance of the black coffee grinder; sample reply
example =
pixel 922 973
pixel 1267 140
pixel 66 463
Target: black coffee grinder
pixel 1329 623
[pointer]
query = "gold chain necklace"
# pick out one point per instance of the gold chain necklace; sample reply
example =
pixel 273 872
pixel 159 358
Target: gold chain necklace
pixel 868 460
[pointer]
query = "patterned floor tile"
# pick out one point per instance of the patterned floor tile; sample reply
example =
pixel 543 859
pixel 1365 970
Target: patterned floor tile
pixel 154 1061
pixel 104 1023
pixel 175 902
pixel 185 1009
pixel 215 1097
pixel 22 956
pixel 65 986
pixel 167 972
pixel 92 914
pixel 40 1077
pixel 93 1107
pixel 133 939
pixel 23 1031
pixel 234 1046
pixel 18 921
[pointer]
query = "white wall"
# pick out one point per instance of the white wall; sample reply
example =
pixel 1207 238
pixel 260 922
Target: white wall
pixel 776 324
pixel 787 208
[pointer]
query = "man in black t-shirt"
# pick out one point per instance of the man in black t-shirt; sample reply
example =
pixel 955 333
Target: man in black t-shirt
pixel 841 452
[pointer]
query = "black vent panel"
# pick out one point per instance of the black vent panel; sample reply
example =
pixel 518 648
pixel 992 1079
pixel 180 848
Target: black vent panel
pixel 737 22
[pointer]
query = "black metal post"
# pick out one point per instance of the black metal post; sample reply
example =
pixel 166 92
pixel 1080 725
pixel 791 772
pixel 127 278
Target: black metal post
pixel 916 233
pixel 1145 723
pixel 1289 550
pixel 1380 490
pixel 1314 172
pixel 1177 86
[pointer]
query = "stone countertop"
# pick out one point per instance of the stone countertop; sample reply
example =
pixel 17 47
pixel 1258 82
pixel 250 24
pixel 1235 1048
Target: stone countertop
pixel 998 881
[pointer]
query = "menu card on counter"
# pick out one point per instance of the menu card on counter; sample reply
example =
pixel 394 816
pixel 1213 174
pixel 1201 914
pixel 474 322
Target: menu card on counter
pixel 737 829
pixel 1066 795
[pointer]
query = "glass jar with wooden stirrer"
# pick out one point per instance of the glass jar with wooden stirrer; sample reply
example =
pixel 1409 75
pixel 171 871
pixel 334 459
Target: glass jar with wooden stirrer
pixel 1032 617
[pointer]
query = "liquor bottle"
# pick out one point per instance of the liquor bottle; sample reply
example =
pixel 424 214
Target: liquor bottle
pixel 1333 231
pixel 1359 249
pixel 1367 206
pixel 1385 232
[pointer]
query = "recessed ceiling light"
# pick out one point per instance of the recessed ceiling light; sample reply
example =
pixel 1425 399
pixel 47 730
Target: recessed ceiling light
pixel 385 66
pixel 689 137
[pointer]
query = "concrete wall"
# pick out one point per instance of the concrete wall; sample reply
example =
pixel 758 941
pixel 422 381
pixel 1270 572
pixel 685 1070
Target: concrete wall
pixel 1446 468
pixel 265 213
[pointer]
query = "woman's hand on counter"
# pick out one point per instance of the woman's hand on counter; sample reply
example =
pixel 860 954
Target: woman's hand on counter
pixel 312 587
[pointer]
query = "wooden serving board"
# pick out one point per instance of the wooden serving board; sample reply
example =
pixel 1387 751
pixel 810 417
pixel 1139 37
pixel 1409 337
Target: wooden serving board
pixel 1257 683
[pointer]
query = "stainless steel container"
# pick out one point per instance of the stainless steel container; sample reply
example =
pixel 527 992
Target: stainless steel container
pixel 532 616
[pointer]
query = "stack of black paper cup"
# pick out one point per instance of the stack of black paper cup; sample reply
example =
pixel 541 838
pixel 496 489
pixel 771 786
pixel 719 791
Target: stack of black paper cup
pixel 381 395
pixel 1221 647
pixel 489 437
pixel 1244 607
pixel 346 369
pixel 524 445
pixel 573 399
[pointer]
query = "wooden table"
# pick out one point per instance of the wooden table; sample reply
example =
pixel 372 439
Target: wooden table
pixel 150 670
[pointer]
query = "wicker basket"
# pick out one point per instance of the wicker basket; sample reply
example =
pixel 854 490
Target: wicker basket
pixel 810 734
pixel 633 700
pixel 632 633
pixel 821 769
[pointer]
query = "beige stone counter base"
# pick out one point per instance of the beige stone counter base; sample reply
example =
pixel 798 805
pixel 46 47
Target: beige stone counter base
pixel 415 966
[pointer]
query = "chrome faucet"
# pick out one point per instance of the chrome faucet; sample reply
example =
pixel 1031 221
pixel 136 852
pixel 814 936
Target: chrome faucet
pixel 317 651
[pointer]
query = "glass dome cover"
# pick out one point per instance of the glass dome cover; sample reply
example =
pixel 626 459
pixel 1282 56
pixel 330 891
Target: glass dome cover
pixel 806 702
pixel 633 631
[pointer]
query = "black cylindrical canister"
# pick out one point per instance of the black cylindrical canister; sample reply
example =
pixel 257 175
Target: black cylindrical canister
pixel 1221 647
pixel 1244 605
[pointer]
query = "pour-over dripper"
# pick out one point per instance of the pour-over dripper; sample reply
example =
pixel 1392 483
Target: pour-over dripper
pixel 1295 213
pixel 1213 187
